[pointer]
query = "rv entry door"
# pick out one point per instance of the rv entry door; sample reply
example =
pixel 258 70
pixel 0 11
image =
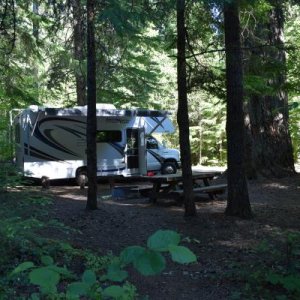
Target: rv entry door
pixel 135 154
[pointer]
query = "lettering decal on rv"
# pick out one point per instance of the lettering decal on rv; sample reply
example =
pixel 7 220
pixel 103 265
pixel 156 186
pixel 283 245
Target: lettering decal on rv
pixel 156 156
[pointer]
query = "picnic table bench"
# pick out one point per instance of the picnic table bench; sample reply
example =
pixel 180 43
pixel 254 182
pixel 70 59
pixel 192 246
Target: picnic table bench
pixel 211 190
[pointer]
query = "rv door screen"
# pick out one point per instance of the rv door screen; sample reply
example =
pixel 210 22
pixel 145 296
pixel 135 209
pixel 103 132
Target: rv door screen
pixel 135 154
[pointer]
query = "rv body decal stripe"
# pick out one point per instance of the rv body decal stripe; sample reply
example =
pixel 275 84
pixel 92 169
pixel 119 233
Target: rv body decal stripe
pixel 45 140
pixel 73 131
pixel 48 134
pixel 48 139
pixel 156 156
pixel 158 122
pixel 117 147
pixel 40 154
pixel 111 170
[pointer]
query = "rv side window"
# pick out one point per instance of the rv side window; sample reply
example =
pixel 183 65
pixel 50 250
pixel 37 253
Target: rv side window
pixel 17 133
pixel 109 136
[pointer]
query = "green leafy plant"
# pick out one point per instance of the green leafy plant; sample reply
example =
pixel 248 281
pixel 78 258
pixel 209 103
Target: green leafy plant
pixel 147 260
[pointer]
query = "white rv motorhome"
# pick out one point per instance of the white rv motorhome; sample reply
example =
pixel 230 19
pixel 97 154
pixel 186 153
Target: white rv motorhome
pixel 51 142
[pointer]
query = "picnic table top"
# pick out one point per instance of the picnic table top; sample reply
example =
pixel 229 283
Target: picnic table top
pixel 178 176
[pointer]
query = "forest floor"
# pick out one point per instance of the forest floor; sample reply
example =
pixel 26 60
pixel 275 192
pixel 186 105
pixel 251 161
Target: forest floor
pixel 224 245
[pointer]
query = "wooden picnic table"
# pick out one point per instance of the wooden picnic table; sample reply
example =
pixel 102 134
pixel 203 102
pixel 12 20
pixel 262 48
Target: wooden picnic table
pixel 162 185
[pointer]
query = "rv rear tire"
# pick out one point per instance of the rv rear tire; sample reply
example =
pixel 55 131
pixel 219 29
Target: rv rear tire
pixel 81 178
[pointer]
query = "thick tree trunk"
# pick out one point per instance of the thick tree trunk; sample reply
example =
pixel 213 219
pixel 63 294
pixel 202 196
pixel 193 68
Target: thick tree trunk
pixel 182 114
pixel 91 126
pixel 238 200
pixel 270 150
pixel 79 54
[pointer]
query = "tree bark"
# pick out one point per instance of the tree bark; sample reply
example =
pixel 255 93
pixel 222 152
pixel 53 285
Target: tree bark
pixel 238 200
pixel 182 114
pixel 79 55
pixel 270 151
pixel 91 126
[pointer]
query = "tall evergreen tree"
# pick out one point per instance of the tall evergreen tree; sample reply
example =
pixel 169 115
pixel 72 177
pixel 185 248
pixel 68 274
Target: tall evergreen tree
pixel 238 200
pixel 79 53
pixel 269 147
pixel 182 114
pixel 91 126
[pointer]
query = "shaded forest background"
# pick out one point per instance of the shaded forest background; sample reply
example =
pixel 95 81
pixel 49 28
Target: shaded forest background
pixel 236 62
pixel 43 61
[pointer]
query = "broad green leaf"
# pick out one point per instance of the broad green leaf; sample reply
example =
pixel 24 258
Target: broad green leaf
pixel 89 277
pixel 150 263
pixel 47 260
pixel 162 239
pixel 62 271
pixel 182 254
pixel 114 273
pixel 114 291
pixel 22 267
pixel 77 289
pixel 129 254
pixel 45 278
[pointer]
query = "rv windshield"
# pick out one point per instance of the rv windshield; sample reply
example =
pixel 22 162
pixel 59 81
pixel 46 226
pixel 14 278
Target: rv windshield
pixel 153 143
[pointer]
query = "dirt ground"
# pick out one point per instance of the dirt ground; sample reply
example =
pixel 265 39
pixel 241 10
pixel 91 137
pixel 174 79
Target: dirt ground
pixel 215 238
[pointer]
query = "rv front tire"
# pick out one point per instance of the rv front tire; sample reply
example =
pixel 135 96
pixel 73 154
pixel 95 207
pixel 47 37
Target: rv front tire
pixel 169 168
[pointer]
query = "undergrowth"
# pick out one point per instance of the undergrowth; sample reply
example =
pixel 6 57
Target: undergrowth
pixel 35 267
pixel 274 272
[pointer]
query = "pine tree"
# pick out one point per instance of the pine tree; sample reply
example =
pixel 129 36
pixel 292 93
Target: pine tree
pixel 238 200
pixel 269 147
pixel 182 115
pixel 91 126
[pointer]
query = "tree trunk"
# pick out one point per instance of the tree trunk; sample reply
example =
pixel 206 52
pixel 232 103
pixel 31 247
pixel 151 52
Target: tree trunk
pixel 91 126
pixel 79 55
pixel 182 114
pixel 270 151
pixel 238 200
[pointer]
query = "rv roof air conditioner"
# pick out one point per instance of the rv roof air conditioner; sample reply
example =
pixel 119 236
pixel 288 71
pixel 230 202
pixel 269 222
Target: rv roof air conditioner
pixel 103 106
